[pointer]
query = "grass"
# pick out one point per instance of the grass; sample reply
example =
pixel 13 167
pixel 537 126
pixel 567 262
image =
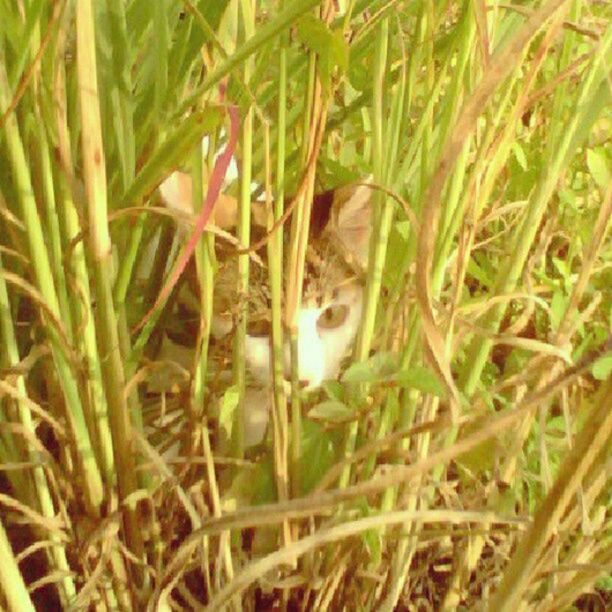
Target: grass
pixel 461 460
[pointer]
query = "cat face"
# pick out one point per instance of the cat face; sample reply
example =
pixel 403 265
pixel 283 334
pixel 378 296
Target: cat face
pixel 325 332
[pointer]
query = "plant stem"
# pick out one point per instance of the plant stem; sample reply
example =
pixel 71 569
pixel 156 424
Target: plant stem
pixel 44 278
pixel 101 257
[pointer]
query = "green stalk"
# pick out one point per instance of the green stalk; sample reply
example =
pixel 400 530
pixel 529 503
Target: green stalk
pixel 412 163
pixel 382 217
pixel 44 279
pixel 558 153
pixel 121 105
pixel 590 444
pixel 205 267
pixel 121 100
pixel 244 236
pixel 11 450
pixel 101 257
pixel 166 156
pixel 275 269
pixel 490 161
pixel 453 206
pixel 12 584
pixel 123 120
pixel 470 558
pixel 82 313
pixel 450 104
pixel 160 50
pixel 406 547
pixel 10 453
pixel 53 230
pixel 295 277
pixel 263 36
pixel 386 417
pixel 39 479
pixel 426 39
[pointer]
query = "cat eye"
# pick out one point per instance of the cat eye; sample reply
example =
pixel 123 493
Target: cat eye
pixel 333 316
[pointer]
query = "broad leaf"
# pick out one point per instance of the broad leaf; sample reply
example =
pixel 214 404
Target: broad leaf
pixel 602 368
pixel 318 453
pixel 599 167
pixel 421 378
pixel 380 367
pixel 331 410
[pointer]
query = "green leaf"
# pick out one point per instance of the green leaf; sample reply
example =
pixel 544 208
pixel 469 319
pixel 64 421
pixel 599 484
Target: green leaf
pixel 333 174
pixel 602 368
pixel 562 267
pixel 213 11
pixel 421 378
pixel 333 389
pixel 359 75
pixel 373 543
pixel 26 32
pixel 318 453
pixel 558 305
pixel 172 153
pixel 403 229
pixel 481 457
pixel 396 254
pixel 383 368
pixel 264 34
pixel 519 154
pixel 599 167
pixel 339 51
pixel 314 34
pixel 590 113
pixel 330 46
pixel 377 368
pixel 568 196
pixel 604 584
pixel 243 489
pixel 265 484
pixel 504 501
pixel 479 273
pixel 331 410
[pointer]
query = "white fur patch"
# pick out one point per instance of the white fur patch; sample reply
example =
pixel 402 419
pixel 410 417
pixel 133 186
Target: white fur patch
pixel 320 350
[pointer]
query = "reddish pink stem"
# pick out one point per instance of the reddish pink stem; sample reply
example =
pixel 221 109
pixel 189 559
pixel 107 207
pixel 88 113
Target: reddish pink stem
pixel 214 188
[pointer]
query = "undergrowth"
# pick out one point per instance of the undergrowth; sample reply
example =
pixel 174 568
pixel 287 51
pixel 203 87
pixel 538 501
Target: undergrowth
pixel 461 461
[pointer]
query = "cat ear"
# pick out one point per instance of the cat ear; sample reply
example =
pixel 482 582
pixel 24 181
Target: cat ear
pixel 176 192
pixel 351 221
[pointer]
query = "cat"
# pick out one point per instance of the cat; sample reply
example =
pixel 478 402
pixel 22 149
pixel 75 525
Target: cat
pixel 330 313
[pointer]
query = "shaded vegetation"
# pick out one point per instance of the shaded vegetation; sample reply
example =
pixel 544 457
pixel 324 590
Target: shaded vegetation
pixel 462 459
